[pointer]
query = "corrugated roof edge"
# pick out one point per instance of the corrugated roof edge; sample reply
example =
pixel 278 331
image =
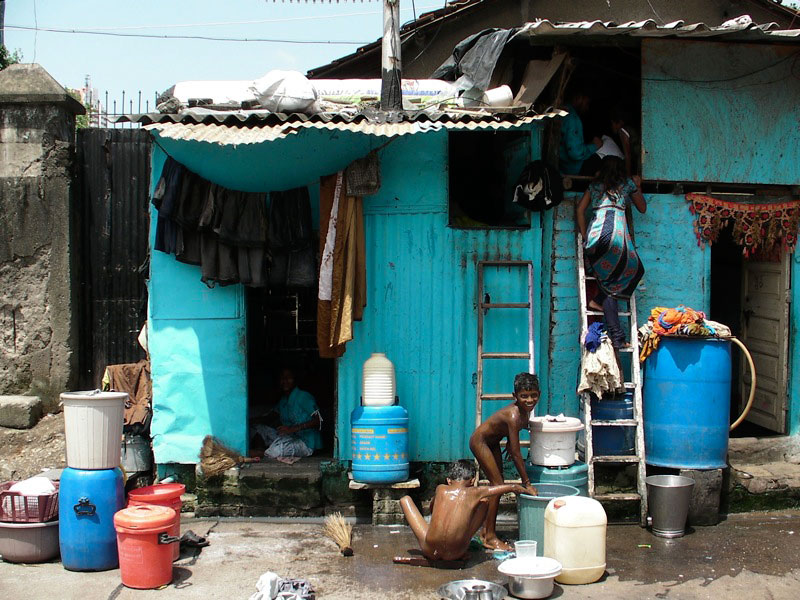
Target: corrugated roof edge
pixel 262 118
pixel 451 10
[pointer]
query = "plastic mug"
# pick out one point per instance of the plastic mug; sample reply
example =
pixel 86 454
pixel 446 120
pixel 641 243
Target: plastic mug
pixel 525 548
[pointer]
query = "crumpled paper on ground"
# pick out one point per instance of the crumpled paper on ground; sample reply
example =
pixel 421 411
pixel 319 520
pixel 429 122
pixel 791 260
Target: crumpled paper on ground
pixel 271 586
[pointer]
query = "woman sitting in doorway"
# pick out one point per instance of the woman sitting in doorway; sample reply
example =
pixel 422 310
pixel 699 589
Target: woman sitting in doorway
pixel 609 249
pixel 298 434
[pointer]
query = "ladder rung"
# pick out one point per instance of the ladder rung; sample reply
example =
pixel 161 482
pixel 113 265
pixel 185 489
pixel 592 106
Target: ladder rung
pixel 616 459
pixel 629 385
pixel 497 396
pixel 599 313
pixel 616 423
pixel 617 496
pixel 506 305
pixel 625 349
pixel 524 355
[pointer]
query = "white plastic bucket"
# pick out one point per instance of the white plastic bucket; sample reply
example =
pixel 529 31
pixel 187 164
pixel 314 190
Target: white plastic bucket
pixel 93 428
pixel 553 440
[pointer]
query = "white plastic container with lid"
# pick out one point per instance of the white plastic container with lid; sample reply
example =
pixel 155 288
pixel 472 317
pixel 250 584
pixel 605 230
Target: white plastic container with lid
pixel 553 440
pixel 378 382
pixel 575 536
pixel 93 428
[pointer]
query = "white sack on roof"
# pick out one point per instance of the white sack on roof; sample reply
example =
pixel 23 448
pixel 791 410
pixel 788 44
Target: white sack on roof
pixel 352 91
pixel 285 92
pixel 219 92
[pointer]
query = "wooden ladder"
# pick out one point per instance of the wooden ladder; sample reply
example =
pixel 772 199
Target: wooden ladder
pixel 484 305
pixel 634 384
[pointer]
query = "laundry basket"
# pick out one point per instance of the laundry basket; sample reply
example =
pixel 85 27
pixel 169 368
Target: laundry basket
pixel 18 508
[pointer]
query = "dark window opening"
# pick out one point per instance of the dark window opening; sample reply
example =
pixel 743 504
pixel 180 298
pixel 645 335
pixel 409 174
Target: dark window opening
pixel 484 168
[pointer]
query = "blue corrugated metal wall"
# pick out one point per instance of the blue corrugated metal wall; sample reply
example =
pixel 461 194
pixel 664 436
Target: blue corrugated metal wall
pixel 196 338
pixel 421 302
pixel 677 271
pixel 720 112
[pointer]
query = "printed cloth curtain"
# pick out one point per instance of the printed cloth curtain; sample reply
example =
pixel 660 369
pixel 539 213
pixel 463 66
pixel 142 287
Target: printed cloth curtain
pixel 756 227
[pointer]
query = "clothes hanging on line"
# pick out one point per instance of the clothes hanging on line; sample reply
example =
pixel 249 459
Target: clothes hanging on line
pixel 346 268
pixel 291 239
pixel 223 231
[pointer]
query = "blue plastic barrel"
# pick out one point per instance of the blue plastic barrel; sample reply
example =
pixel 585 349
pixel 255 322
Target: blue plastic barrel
pixel 575 475
pixel 611 441
pixel 687 395
pixel 530 510
pixel 87 501
pixel 379 444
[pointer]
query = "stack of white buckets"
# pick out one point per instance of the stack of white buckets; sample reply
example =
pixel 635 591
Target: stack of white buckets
pixel 91 487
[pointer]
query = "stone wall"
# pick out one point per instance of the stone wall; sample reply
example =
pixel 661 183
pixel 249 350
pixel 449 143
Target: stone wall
pixel 37 317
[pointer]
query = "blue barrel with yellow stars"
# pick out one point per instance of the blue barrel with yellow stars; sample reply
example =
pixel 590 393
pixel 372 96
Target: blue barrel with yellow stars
pixel 379 444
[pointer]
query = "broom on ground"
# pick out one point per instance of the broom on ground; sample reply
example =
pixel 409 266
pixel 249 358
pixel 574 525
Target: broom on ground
pixel 340 531
pixel 216 458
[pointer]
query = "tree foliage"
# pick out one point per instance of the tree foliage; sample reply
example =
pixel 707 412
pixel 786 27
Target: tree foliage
pixel 9 58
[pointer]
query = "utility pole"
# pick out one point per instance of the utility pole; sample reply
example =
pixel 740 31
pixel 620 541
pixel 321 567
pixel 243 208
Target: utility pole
pixel 391 71
pixel 2 22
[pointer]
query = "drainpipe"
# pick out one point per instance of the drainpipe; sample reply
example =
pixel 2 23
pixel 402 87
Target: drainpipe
pixel 391 72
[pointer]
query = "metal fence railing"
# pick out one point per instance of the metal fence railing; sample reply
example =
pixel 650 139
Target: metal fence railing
pixel 102 112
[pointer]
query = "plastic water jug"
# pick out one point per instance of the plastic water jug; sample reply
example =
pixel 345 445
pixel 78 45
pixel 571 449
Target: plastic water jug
pixel 378 382
pixel 575 535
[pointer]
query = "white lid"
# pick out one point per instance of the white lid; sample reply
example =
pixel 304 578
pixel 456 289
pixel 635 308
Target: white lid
pixel 93 395
pixel 534 567
pixel 555 424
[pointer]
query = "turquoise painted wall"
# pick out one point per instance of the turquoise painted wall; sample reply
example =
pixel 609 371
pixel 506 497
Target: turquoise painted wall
pixel 197 355
pixel 677 271
pixel 421 302
pixel 720 112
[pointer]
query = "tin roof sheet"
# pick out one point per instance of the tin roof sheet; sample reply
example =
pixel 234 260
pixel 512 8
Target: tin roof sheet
pixel 234 128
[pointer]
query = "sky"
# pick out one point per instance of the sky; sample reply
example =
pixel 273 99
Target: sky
pixel 152 65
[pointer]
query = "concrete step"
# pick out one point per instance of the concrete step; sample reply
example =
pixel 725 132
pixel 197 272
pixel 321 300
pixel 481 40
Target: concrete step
pixel 20 412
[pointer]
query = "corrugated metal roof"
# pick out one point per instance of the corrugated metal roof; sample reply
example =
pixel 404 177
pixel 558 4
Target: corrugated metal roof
pixel 740 29
pixel 255 127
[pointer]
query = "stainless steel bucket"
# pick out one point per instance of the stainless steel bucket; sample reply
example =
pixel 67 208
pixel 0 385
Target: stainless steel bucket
pixel 668 500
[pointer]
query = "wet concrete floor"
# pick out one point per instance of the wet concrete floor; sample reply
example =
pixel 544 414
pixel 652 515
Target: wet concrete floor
pixel 754 556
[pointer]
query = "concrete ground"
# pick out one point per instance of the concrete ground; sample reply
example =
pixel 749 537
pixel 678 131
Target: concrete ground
pixel 750 556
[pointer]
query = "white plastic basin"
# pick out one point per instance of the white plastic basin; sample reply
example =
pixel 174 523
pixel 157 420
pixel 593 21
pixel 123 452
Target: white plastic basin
pixel 530 577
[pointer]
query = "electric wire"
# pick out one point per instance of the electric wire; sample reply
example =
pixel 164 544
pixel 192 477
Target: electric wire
pixel 179 37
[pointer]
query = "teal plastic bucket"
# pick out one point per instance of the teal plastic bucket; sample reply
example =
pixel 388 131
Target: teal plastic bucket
pixel 530 509
pixel 576 475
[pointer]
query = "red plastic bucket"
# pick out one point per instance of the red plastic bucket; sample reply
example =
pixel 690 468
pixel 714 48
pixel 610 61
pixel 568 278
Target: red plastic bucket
pixel 162 494
pixel 143 542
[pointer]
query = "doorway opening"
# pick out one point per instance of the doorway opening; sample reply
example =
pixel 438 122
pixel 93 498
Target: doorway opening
pixel 750 296
pixel 281 334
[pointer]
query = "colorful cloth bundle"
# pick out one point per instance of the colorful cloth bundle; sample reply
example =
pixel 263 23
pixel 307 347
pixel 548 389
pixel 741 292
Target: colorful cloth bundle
pixel 676 321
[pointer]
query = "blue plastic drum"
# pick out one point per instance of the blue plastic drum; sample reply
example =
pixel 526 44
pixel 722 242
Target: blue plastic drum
pixel 687 396
pixel 379 444
pixel 87 501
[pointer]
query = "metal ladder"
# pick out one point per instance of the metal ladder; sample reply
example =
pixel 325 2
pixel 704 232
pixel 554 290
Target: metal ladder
pixel 485 304
pixel 635 384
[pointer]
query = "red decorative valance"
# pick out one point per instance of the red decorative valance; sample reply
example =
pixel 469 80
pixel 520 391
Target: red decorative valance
pixel 756 227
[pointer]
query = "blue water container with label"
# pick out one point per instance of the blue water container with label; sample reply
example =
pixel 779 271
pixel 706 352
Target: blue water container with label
pixel 87 501
pixel 379 444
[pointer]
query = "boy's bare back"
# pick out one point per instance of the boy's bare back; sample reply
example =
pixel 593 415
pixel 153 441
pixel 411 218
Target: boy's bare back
pixel 504 423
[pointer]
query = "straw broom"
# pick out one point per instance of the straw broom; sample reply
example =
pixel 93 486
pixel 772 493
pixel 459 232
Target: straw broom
pixel 340 531
pixel 216 458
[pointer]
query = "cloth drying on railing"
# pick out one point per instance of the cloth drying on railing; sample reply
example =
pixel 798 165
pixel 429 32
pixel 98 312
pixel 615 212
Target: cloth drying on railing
pixel 600 370
pixel 682 321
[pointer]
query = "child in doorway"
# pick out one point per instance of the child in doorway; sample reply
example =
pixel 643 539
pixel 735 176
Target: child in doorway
pixel 457 511
pixel 485 445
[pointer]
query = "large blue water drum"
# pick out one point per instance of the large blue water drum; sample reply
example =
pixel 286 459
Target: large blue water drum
pixel 687 396
pixel 610 441
pixel 379 444
pixel 575 475
pixel 87 501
